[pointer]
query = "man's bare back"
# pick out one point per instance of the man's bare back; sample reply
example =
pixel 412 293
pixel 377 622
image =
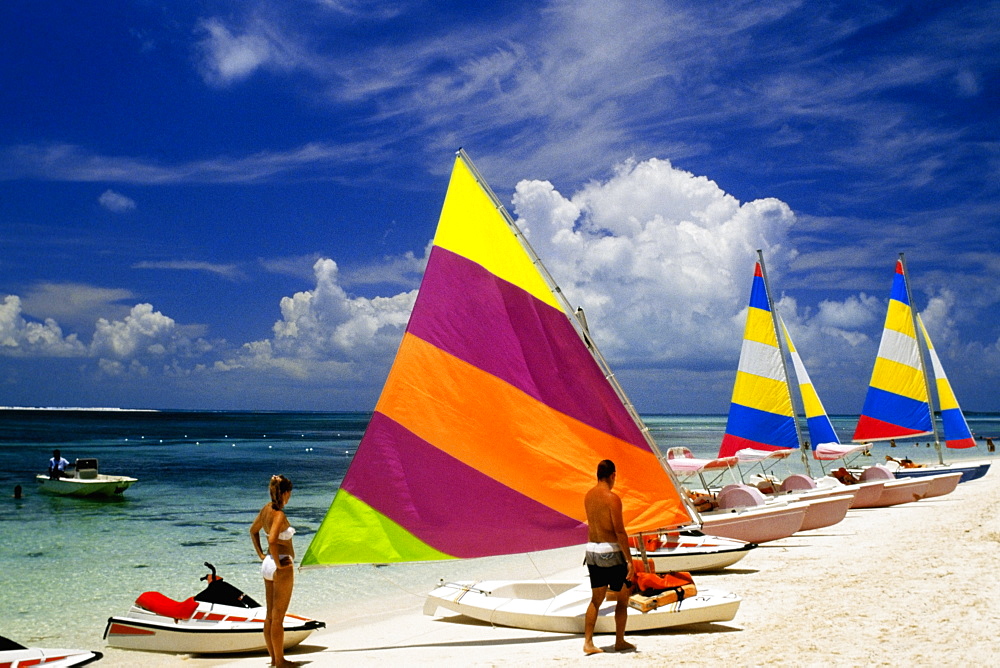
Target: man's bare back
pixel 602 506
pixel 605 524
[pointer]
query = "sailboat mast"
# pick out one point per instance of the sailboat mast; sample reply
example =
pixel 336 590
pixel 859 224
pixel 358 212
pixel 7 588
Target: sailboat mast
pixel 920 352
pixel 784 363
pixel 579 325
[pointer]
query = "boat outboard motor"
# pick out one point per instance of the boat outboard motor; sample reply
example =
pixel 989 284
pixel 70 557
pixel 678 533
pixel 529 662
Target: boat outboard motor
pixel 223 593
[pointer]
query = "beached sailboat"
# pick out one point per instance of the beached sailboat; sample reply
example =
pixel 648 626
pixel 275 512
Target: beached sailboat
pixel 488 430
pixel 898 401
pixel 762 415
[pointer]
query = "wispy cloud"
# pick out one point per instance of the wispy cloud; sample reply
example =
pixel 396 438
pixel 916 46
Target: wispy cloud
pixel 116 202
pixel 230 272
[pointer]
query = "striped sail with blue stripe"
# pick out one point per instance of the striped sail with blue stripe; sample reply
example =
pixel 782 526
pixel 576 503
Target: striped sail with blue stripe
pixel 956 429
pixel 818 422
pixel 761 414
pixel 896 405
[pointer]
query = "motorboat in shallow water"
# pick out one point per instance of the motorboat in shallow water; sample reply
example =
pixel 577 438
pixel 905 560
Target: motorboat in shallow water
pixel 84 480
pixel 219 620
pixel 560 606
pixel 16 655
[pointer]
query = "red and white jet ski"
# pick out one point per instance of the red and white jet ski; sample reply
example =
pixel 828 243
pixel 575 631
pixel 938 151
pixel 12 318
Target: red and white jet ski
pixel 219 620
pixel 15 655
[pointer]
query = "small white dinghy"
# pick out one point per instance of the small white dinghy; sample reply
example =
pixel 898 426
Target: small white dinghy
pixel 85 481
pixel 219 620
pixel 559 606
pixel 16 655
pixel 692 551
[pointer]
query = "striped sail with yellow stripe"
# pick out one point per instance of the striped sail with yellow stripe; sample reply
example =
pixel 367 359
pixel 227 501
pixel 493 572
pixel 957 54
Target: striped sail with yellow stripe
pixel 760 414
pixel 896 405
pixel 494 415
pixel 956 429
pixel 817 421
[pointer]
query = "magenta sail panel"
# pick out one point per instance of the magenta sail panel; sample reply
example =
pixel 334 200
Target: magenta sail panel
pixel 526 343
pixel 448 505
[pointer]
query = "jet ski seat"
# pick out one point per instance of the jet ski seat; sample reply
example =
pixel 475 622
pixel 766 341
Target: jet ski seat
pixel 165 606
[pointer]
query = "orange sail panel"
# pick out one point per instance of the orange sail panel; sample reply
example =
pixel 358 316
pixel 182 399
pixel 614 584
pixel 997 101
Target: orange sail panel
pixel 493 418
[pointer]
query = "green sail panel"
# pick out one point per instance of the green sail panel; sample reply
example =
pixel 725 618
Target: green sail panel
pixel 356 542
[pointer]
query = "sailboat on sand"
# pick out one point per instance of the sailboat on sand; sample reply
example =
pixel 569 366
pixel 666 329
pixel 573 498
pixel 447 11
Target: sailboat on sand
pixel 897 404
pixel 762 424
pixel 488 430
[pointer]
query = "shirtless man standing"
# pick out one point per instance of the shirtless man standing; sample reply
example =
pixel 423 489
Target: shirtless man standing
pixel 608 558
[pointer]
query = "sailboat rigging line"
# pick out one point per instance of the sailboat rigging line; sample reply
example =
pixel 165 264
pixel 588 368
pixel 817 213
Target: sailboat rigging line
pixel 590 344
pixel 923 361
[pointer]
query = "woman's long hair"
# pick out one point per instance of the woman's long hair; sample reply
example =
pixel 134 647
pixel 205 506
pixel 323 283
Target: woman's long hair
pixel 279 485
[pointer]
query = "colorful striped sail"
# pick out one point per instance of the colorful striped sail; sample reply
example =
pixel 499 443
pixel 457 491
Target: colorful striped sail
pixel 494 415
pixel 956 430
pixel 760 415
pixel 896 405
pixel 818 422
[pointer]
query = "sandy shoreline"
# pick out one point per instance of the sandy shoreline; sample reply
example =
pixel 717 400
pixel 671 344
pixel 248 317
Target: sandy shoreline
pixel 912 585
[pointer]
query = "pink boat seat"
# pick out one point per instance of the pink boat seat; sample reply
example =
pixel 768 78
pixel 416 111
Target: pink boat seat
pixel 797 481
pixel 877 472
pixel 740 496
pixel 165 606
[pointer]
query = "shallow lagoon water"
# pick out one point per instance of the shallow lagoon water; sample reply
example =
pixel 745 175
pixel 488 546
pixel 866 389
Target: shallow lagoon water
pixel 66 564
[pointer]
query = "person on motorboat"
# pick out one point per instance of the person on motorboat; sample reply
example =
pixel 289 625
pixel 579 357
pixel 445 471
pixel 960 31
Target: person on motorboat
pixel 277 565
pixel 57 465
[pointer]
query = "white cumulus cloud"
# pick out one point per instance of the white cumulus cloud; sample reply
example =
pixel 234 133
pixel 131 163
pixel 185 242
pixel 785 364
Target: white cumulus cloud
pixel 22 337
pixel 659 258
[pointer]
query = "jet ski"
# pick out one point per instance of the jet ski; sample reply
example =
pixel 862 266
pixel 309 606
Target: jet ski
pixel 219 620
pixel 14 654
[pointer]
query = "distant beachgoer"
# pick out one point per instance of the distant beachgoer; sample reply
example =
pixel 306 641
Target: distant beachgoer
pixel 57 465
pixel 989 445
pixel 17 491
pixel 277 565
pixel 608 558
pixel 892 443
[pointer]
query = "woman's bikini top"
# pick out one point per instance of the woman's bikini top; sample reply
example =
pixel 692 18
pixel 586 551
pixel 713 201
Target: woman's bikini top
pixel 287 534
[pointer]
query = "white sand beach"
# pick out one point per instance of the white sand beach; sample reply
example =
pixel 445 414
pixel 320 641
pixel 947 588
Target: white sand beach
pixel 911 585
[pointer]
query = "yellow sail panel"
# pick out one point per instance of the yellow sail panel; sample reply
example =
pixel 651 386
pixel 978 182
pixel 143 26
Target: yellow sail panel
pixel 899 318
pixel 760 327
pixel 899 379
pixel 491 242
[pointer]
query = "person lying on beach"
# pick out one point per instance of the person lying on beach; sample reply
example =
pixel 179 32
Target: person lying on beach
pixel 844 476
pixel 608 558
pixel 905 462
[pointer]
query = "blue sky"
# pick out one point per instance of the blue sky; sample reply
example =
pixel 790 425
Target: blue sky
pixel 227 205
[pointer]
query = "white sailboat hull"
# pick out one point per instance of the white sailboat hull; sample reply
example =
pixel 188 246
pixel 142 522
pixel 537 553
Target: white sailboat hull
pixel 560 606
pixel 691 551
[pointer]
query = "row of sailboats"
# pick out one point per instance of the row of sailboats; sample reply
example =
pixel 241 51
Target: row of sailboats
pixel 762 420
pixel 497 408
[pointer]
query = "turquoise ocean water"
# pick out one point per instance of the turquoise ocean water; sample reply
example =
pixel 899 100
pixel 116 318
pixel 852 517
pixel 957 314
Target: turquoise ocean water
pixel 66 564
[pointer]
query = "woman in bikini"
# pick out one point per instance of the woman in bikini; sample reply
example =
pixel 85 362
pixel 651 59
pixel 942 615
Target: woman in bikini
pixel 277 565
